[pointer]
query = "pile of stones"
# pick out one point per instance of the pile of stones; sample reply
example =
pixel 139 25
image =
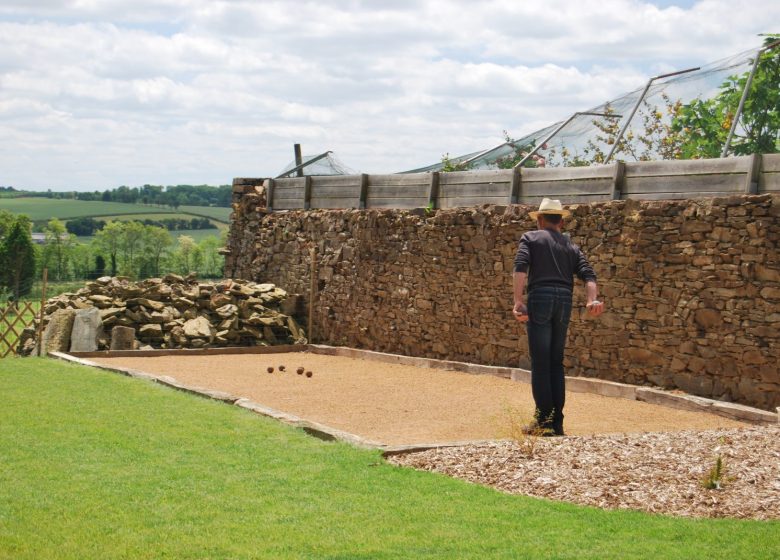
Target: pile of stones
pixel 169 312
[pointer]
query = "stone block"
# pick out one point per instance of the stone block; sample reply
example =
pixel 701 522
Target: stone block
pixel 521 375
pixel 743 412
pixel 673 400
pixel 56 337
pixel 87 330
pixel 122 338
pixel 601 387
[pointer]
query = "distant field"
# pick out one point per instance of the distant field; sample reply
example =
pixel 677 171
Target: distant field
pixel 44 209
pixel 215 212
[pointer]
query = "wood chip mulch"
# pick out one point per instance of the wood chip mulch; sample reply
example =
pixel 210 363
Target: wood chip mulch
pixel 654 472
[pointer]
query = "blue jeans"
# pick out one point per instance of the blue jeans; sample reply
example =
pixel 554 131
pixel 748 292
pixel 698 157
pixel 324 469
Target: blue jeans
pixel 549 311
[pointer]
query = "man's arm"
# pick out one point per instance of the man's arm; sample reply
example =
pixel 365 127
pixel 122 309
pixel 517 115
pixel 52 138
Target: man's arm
pixel 594 306
pixel 519 309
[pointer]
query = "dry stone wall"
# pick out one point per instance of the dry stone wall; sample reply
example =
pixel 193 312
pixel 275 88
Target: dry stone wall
pixel 692 287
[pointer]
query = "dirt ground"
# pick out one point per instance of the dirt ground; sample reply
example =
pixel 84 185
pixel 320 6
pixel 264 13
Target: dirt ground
pixel 401 404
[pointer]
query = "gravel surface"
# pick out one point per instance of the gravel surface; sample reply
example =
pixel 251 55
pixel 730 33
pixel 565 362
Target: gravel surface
pixel 402 404
pixel 653 472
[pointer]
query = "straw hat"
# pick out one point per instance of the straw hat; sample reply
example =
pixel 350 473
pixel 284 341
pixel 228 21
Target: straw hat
pixel 550 207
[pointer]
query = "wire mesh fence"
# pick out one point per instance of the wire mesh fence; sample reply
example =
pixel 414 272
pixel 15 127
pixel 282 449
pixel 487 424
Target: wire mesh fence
pixel 586 139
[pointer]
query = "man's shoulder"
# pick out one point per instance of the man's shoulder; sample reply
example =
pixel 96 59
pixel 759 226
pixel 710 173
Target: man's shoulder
pixel 534 234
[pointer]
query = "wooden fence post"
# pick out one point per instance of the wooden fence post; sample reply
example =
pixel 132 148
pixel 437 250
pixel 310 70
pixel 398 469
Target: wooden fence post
pixel 307 192
pixel 433 191
pixel 753 174
pixel 41 311
pixel 618 177
pixel 363 190
pixel 515 185
pixel 269 194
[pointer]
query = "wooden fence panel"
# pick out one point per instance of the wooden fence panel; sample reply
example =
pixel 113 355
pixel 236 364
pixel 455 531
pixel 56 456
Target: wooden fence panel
pixel 566 199
pixel 769 180
pixel 398 191
pixel 473 188
pixel 655 180
pixel 13 320
pixel 457 202
pixel 336 191
pixel 652 180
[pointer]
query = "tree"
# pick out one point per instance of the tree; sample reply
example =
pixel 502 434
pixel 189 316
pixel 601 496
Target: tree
pixel 81 259
pixel 18 258
pixel 183 256
pixel 157 240
pixel 57 247
pixel 100 266
pixel 130 247
pixel 213 262
pixel 108 241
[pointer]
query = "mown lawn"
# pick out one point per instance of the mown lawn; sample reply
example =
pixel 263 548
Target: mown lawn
pixel 95 465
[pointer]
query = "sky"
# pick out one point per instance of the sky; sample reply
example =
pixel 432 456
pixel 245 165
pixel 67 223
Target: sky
pixel 95 94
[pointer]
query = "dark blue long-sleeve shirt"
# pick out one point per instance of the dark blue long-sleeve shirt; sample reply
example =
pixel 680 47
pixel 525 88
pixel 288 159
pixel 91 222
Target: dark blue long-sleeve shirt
pixel 551 259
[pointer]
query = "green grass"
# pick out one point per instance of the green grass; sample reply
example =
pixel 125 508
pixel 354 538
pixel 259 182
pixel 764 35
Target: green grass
pixel 215 212
pixel 44 209
pixel 95 465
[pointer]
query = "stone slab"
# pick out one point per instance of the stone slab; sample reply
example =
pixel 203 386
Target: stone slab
pixel 601 387
pixel 390 450
pixel 674 400
pixel 742 412
pixel 56 337
pixel 87 329
pixel 521 375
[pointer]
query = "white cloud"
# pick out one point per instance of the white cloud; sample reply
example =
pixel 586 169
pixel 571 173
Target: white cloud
pixel 94 94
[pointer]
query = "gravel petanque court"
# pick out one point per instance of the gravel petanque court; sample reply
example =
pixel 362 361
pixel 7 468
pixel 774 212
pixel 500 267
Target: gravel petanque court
pixel 404 404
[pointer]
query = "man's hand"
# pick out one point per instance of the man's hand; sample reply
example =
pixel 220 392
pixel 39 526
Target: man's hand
pixel 595 308
pixel 520 311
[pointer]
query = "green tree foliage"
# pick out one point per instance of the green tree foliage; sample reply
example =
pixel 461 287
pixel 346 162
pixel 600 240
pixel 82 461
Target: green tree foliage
pixel 81 261
pixel 108 241
pixel 448 165
pixel 57 248
pixel 157 240
pixel 130 248
pixel 213 262
pixel 184 256
pixel 141 251
pixel 172 196
pixel 520 151
pixel 17 255
pixel 84 226
pixel 704 124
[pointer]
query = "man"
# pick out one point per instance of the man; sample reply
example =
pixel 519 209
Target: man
pixel 547 261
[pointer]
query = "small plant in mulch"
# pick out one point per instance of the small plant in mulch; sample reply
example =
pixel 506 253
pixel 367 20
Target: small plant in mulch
pixel 515 426
pixel 715 478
